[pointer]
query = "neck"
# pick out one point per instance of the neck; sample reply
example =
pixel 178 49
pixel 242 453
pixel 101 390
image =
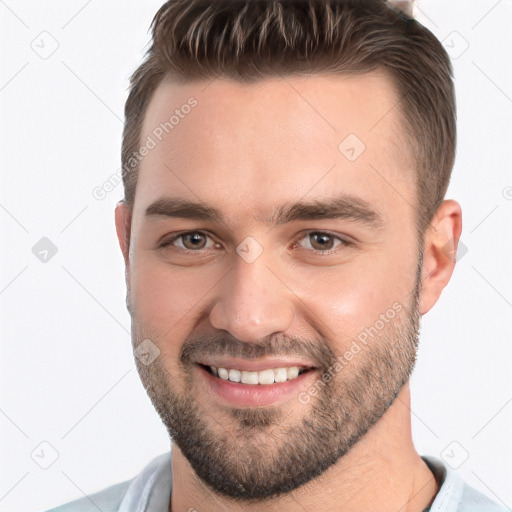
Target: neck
pixel 381 472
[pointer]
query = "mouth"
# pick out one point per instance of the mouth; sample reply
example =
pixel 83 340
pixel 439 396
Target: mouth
pixel 267 386
pixel 261 377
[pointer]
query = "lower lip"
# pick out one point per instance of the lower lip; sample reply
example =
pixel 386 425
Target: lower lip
pixel 256 394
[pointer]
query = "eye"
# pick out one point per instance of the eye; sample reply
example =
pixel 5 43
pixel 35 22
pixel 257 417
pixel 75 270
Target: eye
pixel 193 241
pixel 320 241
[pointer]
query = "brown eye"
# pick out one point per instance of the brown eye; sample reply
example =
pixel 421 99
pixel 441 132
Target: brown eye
pixel 322 242
pixel 194 241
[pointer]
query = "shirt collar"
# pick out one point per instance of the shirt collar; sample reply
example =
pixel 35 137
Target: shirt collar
pixel 451 486
pixel 150 490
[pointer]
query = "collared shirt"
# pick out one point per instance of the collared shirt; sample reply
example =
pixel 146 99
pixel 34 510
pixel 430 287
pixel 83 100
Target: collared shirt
pixel 150 491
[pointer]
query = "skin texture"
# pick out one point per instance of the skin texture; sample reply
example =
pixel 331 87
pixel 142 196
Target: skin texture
pixel 248 150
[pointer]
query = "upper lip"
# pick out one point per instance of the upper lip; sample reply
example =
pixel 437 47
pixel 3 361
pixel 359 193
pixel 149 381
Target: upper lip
pixel 248 365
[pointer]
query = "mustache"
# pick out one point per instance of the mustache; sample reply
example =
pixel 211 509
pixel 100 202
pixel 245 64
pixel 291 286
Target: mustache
pixel 198 347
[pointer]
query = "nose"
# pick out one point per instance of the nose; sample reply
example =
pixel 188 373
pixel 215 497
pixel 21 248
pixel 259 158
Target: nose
pixel 253 302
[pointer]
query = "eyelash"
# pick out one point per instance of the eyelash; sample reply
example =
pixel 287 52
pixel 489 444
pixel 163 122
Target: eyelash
pixel 344 242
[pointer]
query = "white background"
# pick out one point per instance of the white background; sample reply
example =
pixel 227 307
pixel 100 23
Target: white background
pixel 66 364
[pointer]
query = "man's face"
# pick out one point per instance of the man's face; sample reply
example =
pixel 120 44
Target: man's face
pixel 258 282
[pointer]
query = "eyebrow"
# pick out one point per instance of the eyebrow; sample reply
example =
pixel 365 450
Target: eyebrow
pixel 338 207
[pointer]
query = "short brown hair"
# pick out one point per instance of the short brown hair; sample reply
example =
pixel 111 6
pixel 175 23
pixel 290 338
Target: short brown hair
pixel 254 39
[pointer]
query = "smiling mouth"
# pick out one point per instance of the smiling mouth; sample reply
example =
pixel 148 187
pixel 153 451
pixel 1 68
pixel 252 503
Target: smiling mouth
pixel 261 377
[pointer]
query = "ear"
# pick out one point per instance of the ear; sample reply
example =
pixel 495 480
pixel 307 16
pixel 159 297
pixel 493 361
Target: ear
pixel 123 219
pixel 439 252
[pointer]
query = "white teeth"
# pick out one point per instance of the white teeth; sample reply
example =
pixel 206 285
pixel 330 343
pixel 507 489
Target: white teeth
pixel 249 377
pixel 265 376
pixel 268 376
pixel 235 375
pixel 292 372
pixel 280 375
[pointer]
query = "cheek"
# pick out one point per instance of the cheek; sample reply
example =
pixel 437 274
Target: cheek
pixel 167 300
pixel 345 301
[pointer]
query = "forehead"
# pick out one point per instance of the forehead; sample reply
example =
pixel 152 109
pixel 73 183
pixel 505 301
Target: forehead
pixel 249 147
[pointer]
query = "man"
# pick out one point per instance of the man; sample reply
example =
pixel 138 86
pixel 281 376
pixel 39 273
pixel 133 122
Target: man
pixel 284 229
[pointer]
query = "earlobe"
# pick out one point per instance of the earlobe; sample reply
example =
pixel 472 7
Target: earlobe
pixel 439 253
pixel 123 226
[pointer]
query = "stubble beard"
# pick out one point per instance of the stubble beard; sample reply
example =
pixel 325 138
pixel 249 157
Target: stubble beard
pixel 258 455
